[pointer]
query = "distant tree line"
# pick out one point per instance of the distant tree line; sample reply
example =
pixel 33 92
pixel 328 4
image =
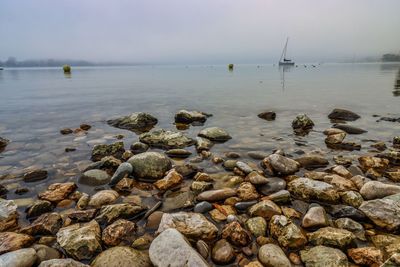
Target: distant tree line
pixel 391 58
pixel 12 62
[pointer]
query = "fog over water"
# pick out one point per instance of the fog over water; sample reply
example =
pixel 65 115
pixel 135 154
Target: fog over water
pixel 206 31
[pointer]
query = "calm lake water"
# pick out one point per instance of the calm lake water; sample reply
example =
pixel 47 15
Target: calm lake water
pixel 36 103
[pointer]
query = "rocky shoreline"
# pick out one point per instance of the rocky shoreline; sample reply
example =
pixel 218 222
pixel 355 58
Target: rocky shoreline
pixel 155 205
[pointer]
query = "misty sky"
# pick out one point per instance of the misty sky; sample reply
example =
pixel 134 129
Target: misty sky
pixel 198 31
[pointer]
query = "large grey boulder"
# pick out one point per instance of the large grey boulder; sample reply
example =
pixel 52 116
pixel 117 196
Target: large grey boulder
pixel 170 248
pixel 150 165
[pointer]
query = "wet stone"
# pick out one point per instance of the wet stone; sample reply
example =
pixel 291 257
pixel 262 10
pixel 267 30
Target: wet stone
pixel 267 115
pixel 136 122
pixel 120 231
pixel 343 114
pixel 215 134
pixel 58 191
pixel 222 252
pixel 100 151
pixel 95 177
pixel 35 175
pixel 10 241
pixel 166 139
pixel 150 165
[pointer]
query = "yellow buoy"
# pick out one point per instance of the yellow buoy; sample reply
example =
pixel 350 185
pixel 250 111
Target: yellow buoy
pixel 67 68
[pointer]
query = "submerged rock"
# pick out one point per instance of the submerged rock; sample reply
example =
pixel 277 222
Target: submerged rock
pixel 3 143
pixel 349 129
pixel 70 239
pixel 215 134
pixel 192 225
pixel 166 139
pixel 178 153
pixel 150 165
pixel 35 175
pixel 94 177
pixel 187 117
pixel 267 115
pixel 121 256
pixel 136 122
pixel 343 114
pixel 100 151
pixel 170 248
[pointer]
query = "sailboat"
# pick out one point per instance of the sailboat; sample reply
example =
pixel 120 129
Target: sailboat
pixel 283 61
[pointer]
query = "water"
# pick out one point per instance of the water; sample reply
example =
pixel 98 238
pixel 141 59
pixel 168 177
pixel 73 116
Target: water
pixel 36 103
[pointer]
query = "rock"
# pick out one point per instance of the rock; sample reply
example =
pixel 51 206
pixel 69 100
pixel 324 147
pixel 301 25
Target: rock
pixel 341 211
pixel 123 170
pixel 103 197
pixel 94 177
pixel 172 179
pixel 330 236
pixel 65 131
pixel 256 178
pixel 265 209
pixel 282 196
pixel 274 185
pixel 257 155
pixel 396 141
pixel 187 117
pixel 109 213
pixel 286 232
pixel 319 256
pixel 222 252
pixel 349 129
pixel 191 225
pixel 203 249
pixel 247 191
pixel 378 165
pixel 70 239
pixel 150 165
pixel 119 231
pixel 343 114
pixel 38 208
pixel 170 248
pixel 393 156
pixel 273 256
pixel 281 165
pixel 267 115
pixel 110 162
pixel 82 215
pixel 343 160
pixel 215 134
pixel 302 123
pixel 393 261
pixel 229 164
pixel 25 257
pixel 339 182
pixel 178 153
pixel 375 189
pixel 8 214
pixel 177 200
pixel 332 131
pixel 216 195
pixel 244 167
pixel 383 212
pixel 359 181
pixel 335 140
pixel 35 175
pixel 45 224
pixel 312 161
pixel 366 256
pixel 222 212
pixel 139 147
pixel 45 253
pixel 203 144
pixel 166 139
pixel 203 207
pixel 10 241
pixel 3 143
pixel 257 226
pixel 100 151
pixel 236 234
pixel 62 263
pixel 315 217
pixel 83 201
pixel 121 256
pixel 136 122
pixel 58 191
pixel 309 190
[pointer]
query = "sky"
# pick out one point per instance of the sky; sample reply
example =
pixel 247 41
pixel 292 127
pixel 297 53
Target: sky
pixel 198 31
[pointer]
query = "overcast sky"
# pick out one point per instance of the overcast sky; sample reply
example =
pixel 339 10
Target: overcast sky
pixel 198 31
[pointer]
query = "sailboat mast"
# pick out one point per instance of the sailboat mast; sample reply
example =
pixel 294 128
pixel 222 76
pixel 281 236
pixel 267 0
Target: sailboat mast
pixel 283 56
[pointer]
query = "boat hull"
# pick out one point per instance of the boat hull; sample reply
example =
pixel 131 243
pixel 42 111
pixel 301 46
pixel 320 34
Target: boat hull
pixel 286 63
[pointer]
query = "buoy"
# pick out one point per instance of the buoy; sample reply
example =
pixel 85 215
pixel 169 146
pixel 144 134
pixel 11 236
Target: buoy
pixel 230 66
pixel 67 68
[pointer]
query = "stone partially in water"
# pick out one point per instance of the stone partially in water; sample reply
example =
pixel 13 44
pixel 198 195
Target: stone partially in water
pixel 187 117
pixel 123 170
pixel 35 175
pixel 122 256
pixel 178 153
pixel 38 208
pixel 100 151
pixel 281 165
pixel 170 248
pixel 215 134
pixel 166 139
pixel 312 161
pixel 216 195
pixel 302 124
pixel 8 214
pixel 136 122
pixel 321 256
pixel 267 115
pixel 343 114
pixel 150 165
pixel 192 225
pixel 3 143
pixel 349 129
pixel 103 197
pixel 95 177
pixel 71 239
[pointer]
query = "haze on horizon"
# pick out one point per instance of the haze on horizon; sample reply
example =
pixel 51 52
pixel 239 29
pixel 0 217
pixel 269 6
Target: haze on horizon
pixel 198 31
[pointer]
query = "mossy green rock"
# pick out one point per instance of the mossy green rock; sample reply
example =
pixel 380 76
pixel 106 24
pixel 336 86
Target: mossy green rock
pixel 136 122
pixel 321 256
pixel 100 151
pixel 166 139
pixel 150 165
